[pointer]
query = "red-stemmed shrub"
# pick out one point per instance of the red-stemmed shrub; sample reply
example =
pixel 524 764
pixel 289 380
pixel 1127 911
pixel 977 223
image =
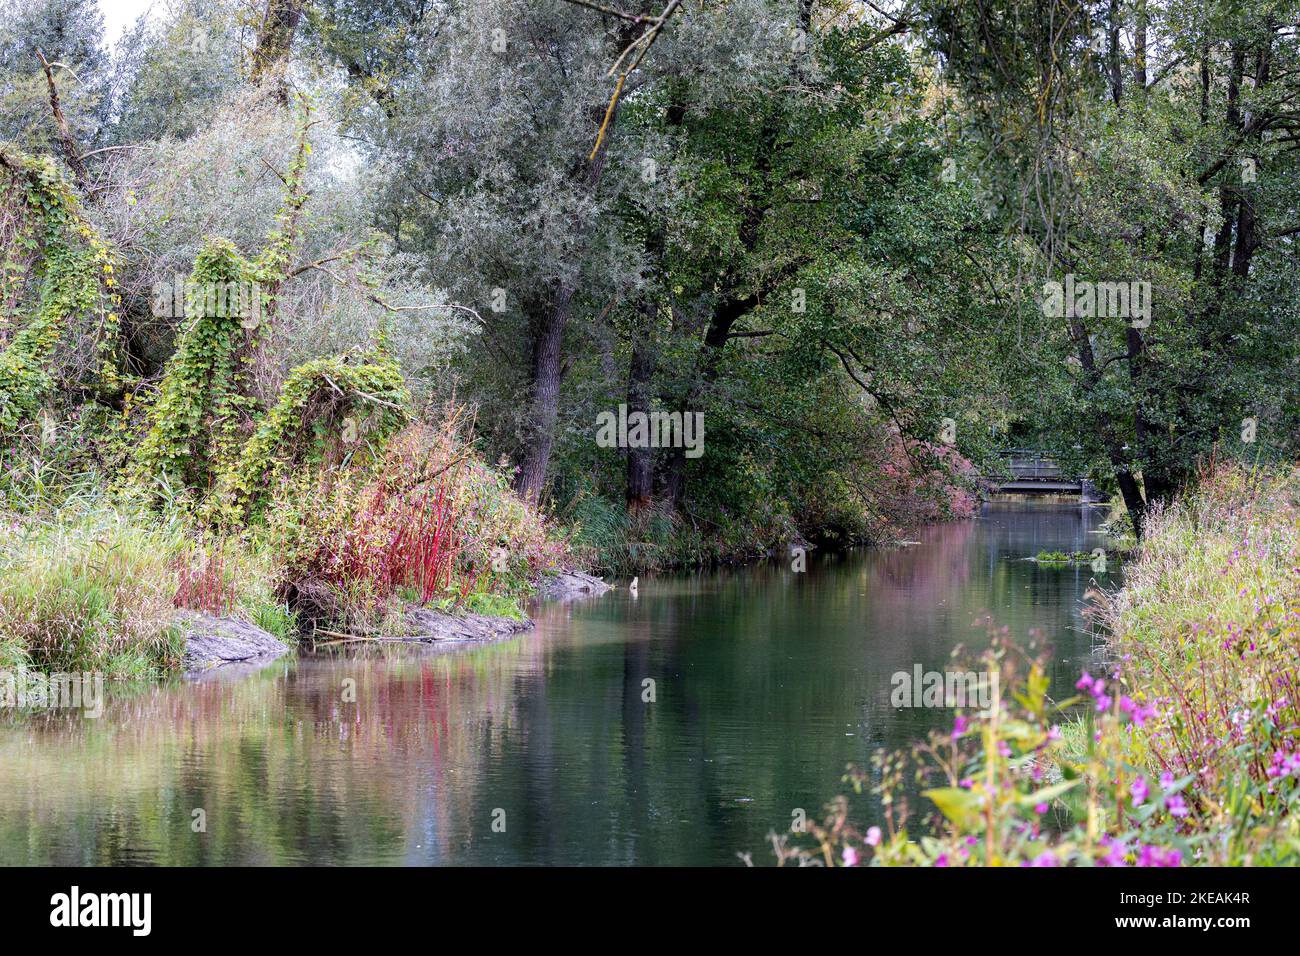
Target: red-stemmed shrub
pixel 202 582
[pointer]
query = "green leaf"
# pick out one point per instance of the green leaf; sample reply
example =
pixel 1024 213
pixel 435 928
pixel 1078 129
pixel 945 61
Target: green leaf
pixel 959 805
pixel 1047 794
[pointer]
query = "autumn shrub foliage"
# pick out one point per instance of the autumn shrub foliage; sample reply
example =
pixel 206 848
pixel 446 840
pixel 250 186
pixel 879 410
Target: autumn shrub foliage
pixel 430 523
pixel 397 540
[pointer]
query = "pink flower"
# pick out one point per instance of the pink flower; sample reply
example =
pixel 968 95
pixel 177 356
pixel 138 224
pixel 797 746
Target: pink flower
pixel 1139 713
pixel 1176 805
pixel 873 836
pixel 1155 856
pixel 1040 808
pixel 1115 852
pixel 1143 713
pixel 1138 791
pixel 850 856
pixel 1284 764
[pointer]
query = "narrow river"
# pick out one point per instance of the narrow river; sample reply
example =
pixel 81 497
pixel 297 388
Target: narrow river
pixel 766 684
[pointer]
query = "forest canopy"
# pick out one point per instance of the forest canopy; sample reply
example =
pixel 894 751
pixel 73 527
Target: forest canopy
pixel 839 233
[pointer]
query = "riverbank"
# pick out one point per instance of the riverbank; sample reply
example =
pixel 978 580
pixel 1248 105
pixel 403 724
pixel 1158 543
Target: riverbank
pixel 97 564
pixel 100 575
pixel 1206 635
pixel 1181 748
pixel 103 587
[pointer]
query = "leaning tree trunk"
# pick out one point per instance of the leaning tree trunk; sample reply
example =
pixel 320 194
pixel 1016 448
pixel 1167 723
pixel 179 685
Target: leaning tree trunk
pixel 274 41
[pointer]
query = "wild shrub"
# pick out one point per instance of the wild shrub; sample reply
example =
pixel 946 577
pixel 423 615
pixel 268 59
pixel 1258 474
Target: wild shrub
pixel 429 522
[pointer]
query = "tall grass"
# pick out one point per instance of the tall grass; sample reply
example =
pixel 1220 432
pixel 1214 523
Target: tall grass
pixel 1207 630
pixel 94 583
pixel 90 587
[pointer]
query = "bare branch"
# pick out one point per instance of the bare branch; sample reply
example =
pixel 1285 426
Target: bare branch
pixel 70 152
pixel 641 44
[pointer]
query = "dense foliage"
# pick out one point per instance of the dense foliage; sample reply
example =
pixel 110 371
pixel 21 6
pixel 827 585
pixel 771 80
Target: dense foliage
pixel 825 231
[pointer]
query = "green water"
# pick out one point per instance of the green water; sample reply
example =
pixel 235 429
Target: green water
pixel 766 684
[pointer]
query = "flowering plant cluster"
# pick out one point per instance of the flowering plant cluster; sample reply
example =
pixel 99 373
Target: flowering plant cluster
pixel 1008 791
pixel 1185 749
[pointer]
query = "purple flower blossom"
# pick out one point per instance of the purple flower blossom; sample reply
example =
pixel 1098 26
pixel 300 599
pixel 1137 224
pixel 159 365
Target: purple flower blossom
pixel 1116 852
pixel 1138 713
pixel 873 836
pixel 1138 791
pixel 850 856
pixel 1284 764
pixel 1155 856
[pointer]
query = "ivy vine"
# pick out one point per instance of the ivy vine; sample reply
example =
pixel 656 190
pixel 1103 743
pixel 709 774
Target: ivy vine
pixel 197 426
pixel 79 281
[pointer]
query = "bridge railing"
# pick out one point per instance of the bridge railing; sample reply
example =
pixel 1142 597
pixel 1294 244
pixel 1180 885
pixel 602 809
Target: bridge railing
pixel 1030 464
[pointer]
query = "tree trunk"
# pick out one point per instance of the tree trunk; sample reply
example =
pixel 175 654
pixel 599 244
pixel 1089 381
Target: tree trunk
pixel 274 42
pixel 1107 430
pixel 1140 48
pixel 1113 53
pixel 545 399
pixel 725 316
pixel 640 461
pixel 70 153
pixel 548 356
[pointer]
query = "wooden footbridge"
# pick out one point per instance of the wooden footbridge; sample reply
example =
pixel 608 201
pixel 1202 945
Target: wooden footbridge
pixel 1029 471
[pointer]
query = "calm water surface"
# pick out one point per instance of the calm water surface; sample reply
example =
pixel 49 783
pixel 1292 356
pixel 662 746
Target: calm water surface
pixel 767 683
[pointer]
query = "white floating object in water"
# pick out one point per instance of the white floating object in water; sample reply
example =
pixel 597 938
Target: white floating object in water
pixel 632 587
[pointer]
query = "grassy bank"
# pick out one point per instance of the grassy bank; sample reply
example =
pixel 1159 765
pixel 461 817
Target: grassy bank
pixel 94 569
pixel 1183 750
pixel 1207 631
pixel 93 584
